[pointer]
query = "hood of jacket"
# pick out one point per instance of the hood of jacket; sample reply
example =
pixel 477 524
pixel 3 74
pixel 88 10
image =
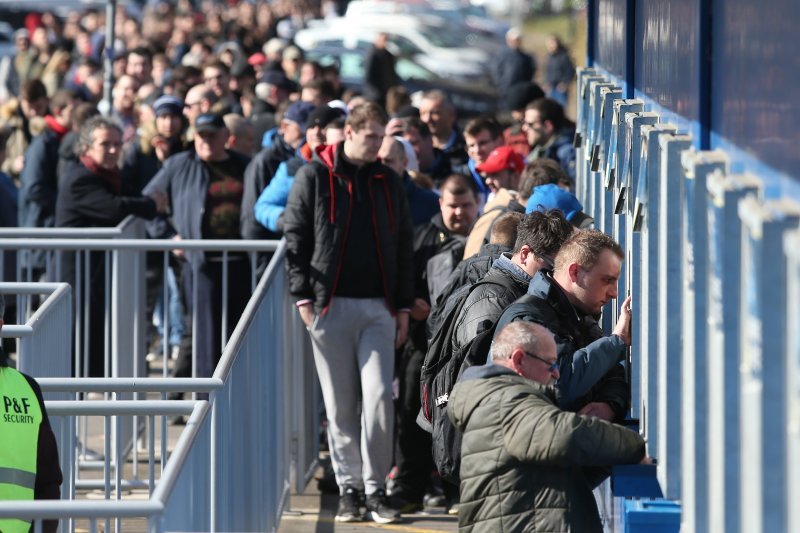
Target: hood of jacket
pixel 326 154
pixel 477 382
pixel 545 287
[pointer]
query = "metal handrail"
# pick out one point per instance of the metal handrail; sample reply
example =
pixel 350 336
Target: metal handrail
pixel 207 430
pixel 129 384
pixel 55 292
pixel 226 361
pixel 163 245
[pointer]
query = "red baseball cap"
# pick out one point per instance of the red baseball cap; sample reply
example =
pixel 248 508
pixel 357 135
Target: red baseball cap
pixel 256 59
pixel 502 158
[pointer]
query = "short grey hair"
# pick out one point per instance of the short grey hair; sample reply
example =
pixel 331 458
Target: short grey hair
pixel 513 335
pixel 98 122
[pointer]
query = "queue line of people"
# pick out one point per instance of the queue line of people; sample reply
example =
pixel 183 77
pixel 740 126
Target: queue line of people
pixel 386 217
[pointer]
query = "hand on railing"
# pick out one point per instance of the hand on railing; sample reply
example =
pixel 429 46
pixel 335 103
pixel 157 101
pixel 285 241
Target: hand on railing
pixel 623 327
pixel 178 252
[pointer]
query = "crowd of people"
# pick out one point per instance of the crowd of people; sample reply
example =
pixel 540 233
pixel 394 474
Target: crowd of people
pixel 392 213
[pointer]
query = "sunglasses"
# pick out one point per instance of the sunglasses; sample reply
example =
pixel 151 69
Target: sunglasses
pixel 552 367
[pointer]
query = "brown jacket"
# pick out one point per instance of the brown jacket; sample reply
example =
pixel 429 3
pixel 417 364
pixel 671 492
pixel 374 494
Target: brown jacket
pixel 501 203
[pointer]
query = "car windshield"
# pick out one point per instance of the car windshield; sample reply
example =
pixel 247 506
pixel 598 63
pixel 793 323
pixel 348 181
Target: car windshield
pixel 408 70
pixel 444 38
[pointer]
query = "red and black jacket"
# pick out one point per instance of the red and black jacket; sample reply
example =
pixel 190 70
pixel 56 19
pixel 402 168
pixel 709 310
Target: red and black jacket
pixel 317 223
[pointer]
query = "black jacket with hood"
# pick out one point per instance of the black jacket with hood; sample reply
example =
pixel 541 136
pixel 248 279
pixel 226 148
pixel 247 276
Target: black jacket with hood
pixel 317 222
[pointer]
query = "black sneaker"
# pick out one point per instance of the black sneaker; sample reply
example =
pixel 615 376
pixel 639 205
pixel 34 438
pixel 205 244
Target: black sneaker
pixel 348 510
pixel 404 506
pixel 379 510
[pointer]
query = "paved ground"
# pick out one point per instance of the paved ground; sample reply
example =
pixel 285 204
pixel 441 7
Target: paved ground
pixel 314 512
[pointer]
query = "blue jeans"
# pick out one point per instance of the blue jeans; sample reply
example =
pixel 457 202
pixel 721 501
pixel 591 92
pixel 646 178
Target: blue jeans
pixel 558 96
pixel 174 308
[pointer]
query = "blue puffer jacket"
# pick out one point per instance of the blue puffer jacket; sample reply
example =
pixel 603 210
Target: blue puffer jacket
pixel 272 200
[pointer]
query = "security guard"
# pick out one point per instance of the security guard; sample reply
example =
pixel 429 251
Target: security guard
pixel 28 455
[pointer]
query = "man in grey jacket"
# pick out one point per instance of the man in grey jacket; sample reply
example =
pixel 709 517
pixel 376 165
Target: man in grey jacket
pixel 544 461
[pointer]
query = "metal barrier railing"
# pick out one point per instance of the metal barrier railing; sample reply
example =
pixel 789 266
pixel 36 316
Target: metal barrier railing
pixel 41 347
pixel 123 284
pixel 264 382
pixel 713 364
pixel 72 510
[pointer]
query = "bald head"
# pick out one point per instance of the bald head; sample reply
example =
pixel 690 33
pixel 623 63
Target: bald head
pixel 393 155
pixel 528 349
pixel 199 100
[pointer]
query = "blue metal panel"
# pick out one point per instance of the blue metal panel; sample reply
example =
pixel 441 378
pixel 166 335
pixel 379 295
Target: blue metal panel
pixel 584 150
pixel 669 309
pixel 611 33
pixel 791 246
pixel 724 300
pixel 756 80
pixel 764 478
pixel 616 158
pixel 598 138
pixel 603 217
pixel 666 65
pixel 694 389
pixel 633 149
pixel 635 481
pixel 646 328
pixel 630 176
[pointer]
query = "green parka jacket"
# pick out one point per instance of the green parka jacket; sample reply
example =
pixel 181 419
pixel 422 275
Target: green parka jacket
pixel 526 465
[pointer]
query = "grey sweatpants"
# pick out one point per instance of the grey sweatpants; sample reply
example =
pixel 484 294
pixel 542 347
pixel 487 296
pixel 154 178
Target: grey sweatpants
pixel 354 355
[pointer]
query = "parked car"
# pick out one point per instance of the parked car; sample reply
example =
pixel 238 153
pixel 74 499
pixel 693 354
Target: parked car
pixel 478 27
pixel 438 48
pixel 7 46
pixel 469 100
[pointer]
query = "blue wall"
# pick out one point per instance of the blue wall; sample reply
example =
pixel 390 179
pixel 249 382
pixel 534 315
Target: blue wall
pixel 756 81
pixel 725 71
pixel 611 35
pixel 665 66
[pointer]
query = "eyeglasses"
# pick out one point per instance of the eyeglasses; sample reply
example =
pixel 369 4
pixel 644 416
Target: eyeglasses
pixel 549 262
pixel 552 366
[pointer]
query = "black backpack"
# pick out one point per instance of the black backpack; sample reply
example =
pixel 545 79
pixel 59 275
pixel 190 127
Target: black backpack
pixel 441 370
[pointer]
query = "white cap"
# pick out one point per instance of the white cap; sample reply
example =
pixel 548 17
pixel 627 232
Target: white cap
pixel 412 163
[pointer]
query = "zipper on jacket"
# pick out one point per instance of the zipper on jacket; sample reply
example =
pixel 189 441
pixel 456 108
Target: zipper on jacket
pixel 344 240
pixel 388 203
pixel 378 249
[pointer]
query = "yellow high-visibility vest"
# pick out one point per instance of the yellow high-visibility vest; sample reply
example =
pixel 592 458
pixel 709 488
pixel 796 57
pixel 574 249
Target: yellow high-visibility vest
pixel 20 418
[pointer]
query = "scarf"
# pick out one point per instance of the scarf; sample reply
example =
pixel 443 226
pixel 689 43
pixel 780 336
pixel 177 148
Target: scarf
pixel 112 177
pixel 54 125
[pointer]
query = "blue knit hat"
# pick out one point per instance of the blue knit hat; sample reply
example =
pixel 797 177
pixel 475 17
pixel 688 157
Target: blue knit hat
pixel 299 112
pixel 168 105
pixel 552 196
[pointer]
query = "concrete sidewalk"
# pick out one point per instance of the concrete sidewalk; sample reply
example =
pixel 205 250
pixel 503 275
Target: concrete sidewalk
pixel 313 511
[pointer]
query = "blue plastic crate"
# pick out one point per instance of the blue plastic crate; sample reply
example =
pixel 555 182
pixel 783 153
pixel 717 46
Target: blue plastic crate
pixel 651 516
pixel 635 481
